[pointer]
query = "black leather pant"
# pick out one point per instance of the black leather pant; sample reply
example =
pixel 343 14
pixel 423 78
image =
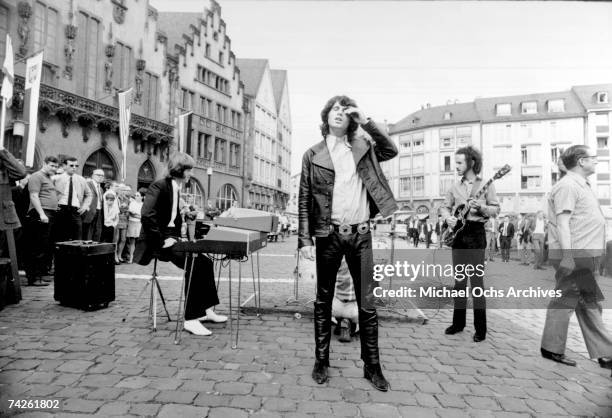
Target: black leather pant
pixel 469 249
pixel 357 248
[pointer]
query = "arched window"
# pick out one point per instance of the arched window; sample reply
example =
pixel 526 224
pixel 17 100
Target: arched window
pixel 193 193
pixel 226 196
pixel 100 159
pixel 146 175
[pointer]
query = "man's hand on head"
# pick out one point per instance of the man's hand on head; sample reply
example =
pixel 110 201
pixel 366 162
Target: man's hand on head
pixel 356 114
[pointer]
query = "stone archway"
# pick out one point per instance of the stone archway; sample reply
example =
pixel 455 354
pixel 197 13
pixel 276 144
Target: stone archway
pixel 193 193
pixel 101 159
pixel 146 175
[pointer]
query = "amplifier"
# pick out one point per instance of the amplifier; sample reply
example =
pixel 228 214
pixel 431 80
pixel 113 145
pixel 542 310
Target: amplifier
pixel 84 274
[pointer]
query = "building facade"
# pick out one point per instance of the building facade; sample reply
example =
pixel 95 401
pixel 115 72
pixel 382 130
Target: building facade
pixel 175 62
pixel 268 151
pixel 528 132
pixel 210 87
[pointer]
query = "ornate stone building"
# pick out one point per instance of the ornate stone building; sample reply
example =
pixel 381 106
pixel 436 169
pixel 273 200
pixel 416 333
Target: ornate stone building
pixel 174 62
pixel 92 49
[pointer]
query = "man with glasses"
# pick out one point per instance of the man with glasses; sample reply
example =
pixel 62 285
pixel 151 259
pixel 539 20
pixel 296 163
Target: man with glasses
pixel 576 243
pixel 94 217
pixel 74 196
pixel 40 220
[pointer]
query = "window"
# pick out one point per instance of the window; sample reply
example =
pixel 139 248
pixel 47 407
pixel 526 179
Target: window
pixel 122 65
pixel 203 106
pixel 529 108
pixel 221 58
pixel 207 50
pixel 530 155
pixel 602 142
pixel 602 97
pixel 445 163
pixel 187 102
pixel 555 153
pixel 220 150
pixel 404 186
pixel 151 90
pixel 500 155
pixel 446 138
pixel 464 136
pixel 419 185
pixel 405 163
pixel 86 62
pixel 503 109
pixel 234 155
pixel 192 193
pixel 448 115
pixel 417 162
pixel 417 145
pixel 531 182
pixel 45 31
pixel 226 197
pixel 556 105
pixel 527 131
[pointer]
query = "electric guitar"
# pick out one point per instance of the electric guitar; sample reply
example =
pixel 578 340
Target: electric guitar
pixel 461 212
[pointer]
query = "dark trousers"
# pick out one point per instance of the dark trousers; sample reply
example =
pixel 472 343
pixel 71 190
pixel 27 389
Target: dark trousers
pixel 469 249
pixel 202 291
pixel 357 249
pixel 40 244
pixel 93 231
pixel 505 243
pixel 108 234
pixel 69 224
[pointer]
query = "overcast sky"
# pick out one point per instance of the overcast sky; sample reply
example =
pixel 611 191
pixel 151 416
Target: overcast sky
pixel 393 56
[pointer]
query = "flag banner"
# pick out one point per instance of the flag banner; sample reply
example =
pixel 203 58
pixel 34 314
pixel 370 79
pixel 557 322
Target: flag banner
pixel 125 112
pixel 32 88
pixel 9 73
pixel 184 132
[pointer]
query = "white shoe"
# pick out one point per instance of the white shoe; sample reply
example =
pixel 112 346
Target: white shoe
pixel 196 328
pixel 211 316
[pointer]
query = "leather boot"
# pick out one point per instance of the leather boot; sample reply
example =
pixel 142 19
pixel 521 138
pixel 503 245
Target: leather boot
pixel 374 374
pixel 322 323
pixel 320 371
pixel 368 329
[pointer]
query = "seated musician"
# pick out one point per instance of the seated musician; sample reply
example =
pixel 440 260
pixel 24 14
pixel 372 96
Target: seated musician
pixel 161 229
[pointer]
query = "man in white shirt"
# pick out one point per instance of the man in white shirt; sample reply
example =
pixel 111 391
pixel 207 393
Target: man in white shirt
pixel 341 188
pixel 94 217
pixel 539 232
pixel 74 197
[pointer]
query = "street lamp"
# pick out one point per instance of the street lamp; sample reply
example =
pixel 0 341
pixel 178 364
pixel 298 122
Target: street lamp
pixel 209 172
pixel 18 128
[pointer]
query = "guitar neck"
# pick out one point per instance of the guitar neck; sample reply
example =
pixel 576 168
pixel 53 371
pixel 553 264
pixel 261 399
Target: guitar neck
pixel 477 196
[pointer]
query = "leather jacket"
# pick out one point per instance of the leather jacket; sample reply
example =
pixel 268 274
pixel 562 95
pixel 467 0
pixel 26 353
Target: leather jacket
pixel 317 182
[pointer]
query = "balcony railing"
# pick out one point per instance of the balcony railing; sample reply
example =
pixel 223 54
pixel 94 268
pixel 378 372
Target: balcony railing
pixel 70 107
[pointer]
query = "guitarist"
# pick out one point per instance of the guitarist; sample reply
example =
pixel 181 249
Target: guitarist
pixel 470 244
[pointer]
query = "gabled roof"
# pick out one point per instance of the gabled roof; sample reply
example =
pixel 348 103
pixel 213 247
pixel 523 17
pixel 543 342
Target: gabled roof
pixel 434 116
pixel 175 25
pixel 588 95
pixel 251 73
pixel 278 84
pixel 487 108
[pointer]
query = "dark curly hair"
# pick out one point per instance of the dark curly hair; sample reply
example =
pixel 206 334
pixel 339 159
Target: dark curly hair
pixel 473 158
pixel 344 101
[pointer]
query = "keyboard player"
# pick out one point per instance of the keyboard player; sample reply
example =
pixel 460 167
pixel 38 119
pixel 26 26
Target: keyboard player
pixel 161 228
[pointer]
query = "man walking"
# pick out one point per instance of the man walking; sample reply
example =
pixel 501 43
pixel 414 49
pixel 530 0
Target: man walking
pixel 341 188
pixel 470 244
pixel 576 243
pixel 74 197
pixel 506 232
pixel 440 228
pixel 41 217
pixel 93 219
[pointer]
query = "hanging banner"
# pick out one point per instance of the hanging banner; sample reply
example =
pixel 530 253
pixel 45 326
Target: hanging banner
pixel 32 92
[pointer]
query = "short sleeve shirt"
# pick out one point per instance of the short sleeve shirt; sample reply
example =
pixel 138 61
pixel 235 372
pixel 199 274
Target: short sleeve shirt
pixel 573 194
pixel 41 183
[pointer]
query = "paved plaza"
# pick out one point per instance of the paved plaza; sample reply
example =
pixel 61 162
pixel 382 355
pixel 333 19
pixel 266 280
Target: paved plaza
pixel 94 363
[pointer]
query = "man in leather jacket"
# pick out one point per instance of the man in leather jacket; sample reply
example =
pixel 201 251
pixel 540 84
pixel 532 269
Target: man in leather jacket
pixel 341 188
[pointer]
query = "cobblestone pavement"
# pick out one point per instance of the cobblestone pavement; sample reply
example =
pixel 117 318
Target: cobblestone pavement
pixel 96 364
